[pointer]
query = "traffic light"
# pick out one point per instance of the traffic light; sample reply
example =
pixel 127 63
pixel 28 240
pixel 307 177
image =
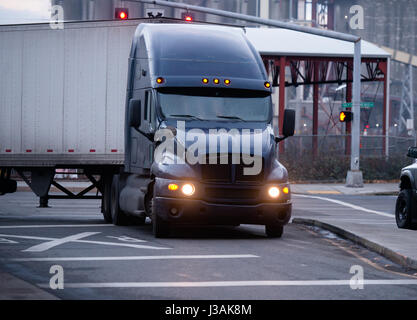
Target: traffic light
pixel 121 13
pixel 186 16
pixel 346 116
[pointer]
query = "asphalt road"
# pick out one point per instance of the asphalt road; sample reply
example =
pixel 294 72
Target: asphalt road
pixel 102 261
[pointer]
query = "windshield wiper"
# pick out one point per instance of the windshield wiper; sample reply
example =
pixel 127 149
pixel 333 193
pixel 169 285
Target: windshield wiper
pixel 230 117
pixel 186 116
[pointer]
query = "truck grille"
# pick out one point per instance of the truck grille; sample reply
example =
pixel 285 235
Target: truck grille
pixel 229 173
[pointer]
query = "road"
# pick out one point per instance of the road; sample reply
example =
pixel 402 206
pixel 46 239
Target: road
pixel 103 261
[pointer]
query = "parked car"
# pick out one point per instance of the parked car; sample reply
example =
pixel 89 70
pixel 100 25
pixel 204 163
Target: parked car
pixel 406 206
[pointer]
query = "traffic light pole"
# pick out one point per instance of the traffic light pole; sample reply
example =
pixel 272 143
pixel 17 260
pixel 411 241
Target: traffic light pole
pixel 354 176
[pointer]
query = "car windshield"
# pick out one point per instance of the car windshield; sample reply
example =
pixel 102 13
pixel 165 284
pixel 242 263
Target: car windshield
pixel 218 105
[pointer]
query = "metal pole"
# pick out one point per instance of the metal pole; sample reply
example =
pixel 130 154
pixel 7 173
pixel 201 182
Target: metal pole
pixel 387 111
pixel 354 176
pixel 245 17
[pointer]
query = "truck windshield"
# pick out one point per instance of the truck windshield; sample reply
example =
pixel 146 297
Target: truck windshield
pixel 215 105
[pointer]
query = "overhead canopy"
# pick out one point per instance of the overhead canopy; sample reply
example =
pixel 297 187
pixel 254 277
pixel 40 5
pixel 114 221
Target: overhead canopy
pixel 283 42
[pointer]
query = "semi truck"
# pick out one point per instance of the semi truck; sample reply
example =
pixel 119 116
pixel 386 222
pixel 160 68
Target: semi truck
pixel 187 139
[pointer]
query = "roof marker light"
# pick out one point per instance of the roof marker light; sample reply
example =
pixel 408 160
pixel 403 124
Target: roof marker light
pixel 205 80
pixel 159 80
pixel 267 84
pixel 226 82
pixel 216 81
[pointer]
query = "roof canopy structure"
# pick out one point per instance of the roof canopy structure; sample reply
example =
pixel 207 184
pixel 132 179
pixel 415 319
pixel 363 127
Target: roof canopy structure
pixel 313 60
pixel 277 42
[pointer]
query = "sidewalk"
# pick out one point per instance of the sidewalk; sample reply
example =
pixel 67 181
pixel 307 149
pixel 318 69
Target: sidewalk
pixel 330 188
pixel 367 221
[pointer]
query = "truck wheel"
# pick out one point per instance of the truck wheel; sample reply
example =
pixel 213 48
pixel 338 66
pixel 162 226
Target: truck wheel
pixel 404 209
pixel 274 231
pixel 160 228
pixel 106 201
pixel 118 216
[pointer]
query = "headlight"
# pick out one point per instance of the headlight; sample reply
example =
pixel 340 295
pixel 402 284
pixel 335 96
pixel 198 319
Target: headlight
pixel 273 192
pixel 188 189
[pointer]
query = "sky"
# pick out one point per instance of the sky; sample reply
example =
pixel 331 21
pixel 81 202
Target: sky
pixel 24 11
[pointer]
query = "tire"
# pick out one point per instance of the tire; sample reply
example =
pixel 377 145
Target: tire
pixel 274 231
pixel 106 201
pixel 119 218
pixel 404 209
pixel 160 228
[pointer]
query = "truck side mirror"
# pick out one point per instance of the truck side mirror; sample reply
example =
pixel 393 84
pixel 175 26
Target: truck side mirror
pixel 134 113
pixel 289 123
pixel 288 126
pixel 412 152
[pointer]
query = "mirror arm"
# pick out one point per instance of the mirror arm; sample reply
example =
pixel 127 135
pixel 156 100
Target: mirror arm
pixel 280 138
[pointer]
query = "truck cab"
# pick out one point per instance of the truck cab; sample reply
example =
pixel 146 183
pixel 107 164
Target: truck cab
pixel 199 141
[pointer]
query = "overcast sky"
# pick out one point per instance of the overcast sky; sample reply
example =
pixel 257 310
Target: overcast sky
pixel 24 11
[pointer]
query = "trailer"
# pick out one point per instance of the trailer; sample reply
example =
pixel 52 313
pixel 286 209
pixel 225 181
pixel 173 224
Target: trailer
pixel 62 99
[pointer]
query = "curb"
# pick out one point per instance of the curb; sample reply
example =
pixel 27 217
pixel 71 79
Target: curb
pixel 384 251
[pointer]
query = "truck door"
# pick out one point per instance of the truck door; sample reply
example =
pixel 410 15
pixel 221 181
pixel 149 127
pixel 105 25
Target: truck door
pixel 142 146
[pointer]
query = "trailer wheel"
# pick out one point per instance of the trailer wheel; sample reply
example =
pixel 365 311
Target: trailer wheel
pixel 106 201
pixel 274 231
pixel 118 216
pixel 160 228
pixel 404 209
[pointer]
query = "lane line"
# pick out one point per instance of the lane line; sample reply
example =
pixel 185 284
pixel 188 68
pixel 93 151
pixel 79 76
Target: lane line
pixel 54 243
pixel 56 226
pixel 210 284
pixel 346 204
pixel 129 258
pixel 136 246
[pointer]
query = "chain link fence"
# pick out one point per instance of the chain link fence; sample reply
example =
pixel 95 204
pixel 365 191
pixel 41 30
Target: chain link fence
pixel 330 162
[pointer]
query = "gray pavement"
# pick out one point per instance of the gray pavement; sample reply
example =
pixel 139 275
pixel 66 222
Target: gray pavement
pixel 367 220
pixel 338 188
pixel 103 261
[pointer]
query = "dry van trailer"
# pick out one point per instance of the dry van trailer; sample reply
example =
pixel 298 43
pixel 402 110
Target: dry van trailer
pixel 62 101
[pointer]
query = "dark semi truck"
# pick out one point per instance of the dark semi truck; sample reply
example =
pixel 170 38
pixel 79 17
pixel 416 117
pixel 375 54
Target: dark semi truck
pixel 210 81
pixel 199 146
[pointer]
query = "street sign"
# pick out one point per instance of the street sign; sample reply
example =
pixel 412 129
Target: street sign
pixel 363 105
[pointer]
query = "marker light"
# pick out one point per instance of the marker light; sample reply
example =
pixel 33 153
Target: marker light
pixel 160 80
pixel 267 84
pixel 205 80
pixel 172 187
pixel 286 190
pixel 216 81
pixel 273 192
pixel 188 18
pixel 188 189
pixel 226 82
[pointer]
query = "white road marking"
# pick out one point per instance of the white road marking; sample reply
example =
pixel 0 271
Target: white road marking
pixel 346 204
pixel 3 240
pixel 130 245
pixel 57 226
pixel 208 284
pixel 126 239
pixel 56 242
pixel 128 258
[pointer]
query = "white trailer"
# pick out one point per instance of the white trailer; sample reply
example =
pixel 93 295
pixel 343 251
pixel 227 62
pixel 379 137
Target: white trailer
pixel 62 101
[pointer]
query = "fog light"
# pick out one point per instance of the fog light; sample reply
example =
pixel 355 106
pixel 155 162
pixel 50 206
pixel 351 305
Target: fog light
pixel 172 187
pixel 188 189
pixel 273 192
